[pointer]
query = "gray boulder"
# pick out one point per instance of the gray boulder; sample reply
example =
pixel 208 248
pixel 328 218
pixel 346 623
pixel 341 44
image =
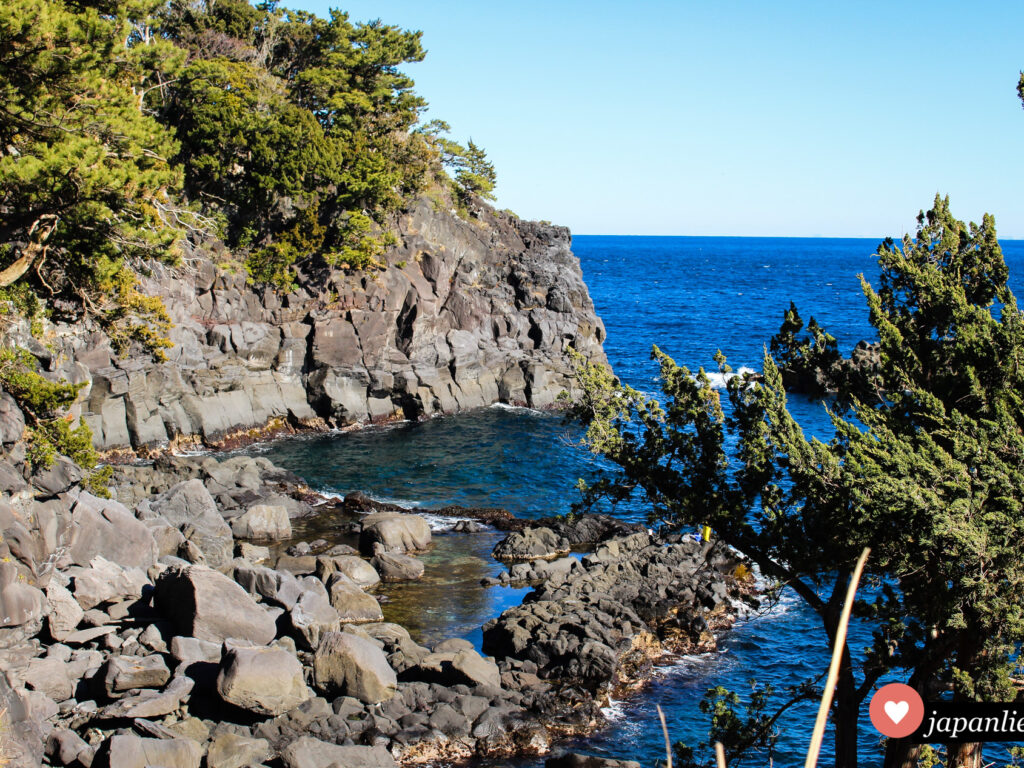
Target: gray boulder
pixel 531 544
pixel 21 605
pixel 124 673
pixel 353 566
pixel 105 528
pixel 231 750
pixel 12 420
pixel 308 752
pixel 49 675
pixel 313 615
pixel 395 566
pixel 351 603
pixel 150 703
pixel 205 604
pixel 263 522
pixel 348 665
pixel 189 507
pixel 395 531
pixel 267 681
pixel 103 581
pixel 130 751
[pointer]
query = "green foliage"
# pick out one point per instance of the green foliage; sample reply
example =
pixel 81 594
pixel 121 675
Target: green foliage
pixel 45 405
pixel 744 728
pixel 928 472
pixel 474 174
pixel 809 362
pixel 86 173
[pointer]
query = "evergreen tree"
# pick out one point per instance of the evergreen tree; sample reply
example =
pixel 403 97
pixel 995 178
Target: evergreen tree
pixel 928 473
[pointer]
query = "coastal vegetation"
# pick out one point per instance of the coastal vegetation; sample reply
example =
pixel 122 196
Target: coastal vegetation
pixel 923 467
pixel 134 132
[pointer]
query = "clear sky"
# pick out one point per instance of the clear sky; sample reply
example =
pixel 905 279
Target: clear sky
pixel 767 117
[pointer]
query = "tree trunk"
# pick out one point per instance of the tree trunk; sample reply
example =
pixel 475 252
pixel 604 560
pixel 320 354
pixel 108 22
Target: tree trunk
pixel 900 754
pixel 965 755
pixel 847 707
pixel 36 248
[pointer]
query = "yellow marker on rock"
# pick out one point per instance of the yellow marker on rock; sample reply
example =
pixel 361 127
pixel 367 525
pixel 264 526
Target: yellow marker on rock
pixel 705 533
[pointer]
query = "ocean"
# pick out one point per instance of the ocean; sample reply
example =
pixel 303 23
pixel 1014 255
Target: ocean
pixel 691 296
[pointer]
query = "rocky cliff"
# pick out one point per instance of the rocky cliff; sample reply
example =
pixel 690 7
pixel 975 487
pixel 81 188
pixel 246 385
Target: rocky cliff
pixel 468 313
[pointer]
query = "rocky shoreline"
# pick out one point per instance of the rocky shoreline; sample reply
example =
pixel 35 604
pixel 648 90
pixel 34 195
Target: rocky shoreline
pixel 182 624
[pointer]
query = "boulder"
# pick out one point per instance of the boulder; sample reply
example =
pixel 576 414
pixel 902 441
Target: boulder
pixel 348 665
pixel 103 581
pixel 150 703
pixel 63 746
pixel 49 675
pixel 124 673
pixel 351 603
pixel 267 681
pixel 531 544
pixel 23 735
pixel 12 420
pixel 455 667
pixel 357 569
pixel 231 750
pixel 263 522
pixel 189 507
pixel 20 603
pixel 308 752
pixel 130 751
pixel 395 566
pixel 207 605
pixel 58 477
pixel 395 531
pixel 313 615
pixel 106 528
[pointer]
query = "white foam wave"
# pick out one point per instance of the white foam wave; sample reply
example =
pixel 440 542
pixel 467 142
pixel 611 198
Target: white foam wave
pixel 720 380
pixel 614 711
pixel 437 523
pixel 516 409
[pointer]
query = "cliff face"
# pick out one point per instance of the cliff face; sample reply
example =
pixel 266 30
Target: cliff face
pixel 468 313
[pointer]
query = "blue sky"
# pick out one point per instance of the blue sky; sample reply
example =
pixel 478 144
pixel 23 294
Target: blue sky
pixel 730 118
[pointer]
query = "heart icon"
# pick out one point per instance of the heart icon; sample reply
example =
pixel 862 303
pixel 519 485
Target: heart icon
pixel 897 710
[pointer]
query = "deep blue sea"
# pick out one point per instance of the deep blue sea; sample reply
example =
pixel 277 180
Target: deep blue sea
pixel 690 296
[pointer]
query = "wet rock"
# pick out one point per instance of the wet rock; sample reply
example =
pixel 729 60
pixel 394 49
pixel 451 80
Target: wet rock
pixel 207 605
pixel 263 522
pixel 576 760
pixel 308 752
pixel 395 566
pixel 348 665
pixel 396 532
pixel 351 603
pixel 531 544
pixel 129 751
pixel 267 681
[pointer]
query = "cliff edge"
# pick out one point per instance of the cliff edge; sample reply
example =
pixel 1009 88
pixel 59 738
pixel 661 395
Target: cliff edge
pixel 469 312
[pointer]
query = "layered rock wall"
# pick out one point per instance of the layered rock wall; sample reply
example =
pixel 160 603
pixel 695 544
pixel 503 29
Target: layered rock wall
pixel 468 313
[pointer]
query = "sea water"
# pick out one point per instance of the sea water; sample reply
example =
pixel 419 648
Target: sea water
pixel 691 296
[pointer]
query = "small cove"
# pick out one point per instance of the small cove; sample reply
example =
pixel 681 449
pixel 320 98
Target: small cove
pixel 690 296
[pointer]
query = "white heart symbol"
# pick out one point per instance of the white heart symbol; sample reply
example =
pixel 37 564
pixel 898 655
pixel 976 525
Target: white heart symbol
pixel 897 710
